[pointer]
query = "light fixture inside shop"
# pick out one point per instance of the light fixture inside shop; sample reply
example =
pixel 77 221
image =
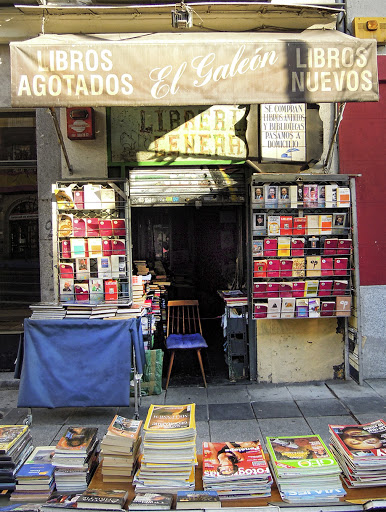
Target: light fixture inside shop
pixel 182 16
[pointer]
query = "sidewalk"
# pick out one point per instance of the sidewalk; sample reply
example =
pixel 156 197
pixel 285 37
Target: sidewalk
pixel 230 411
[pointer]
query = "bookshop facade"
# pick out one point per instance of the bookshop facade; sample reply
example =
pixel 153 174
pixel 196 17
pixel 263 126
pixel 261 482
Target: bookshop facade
pixel 192 129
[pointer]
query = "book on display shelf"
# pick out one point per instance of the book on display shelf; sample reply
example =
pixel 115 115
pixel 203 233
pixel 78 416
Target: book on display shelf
pixel 271 196
pixel 111 499
pixel 270 247
pixel 10 435
pixel 258 247
pixel 151 501
pixel 41 455
pixel 123 430
pixel 79 226
pixel 78 440
pixel 64 198
pixel 273 225
pixel 284 200
pixel 188 500
pixel 259 226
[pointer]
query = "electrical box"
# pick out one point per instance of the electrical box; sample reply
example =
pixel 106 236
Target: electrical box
pixel 80 123
pixel 370 28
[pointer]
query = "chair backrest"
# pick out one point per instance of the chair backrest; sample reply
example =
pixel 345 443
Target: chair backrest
pixel 183 317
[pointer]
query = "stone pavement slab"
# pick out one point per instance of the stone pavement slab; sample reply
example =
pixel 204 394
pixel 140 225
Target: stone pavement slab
pixel 276 409
pixel 323 407
pixel 268 392
pixel 232 411
pixel 185 395
pixel 366 405
pixel 309 391
pixel 350 389
pixel 378 385
pixel 227 394
pixel 228 430
pixel 284 427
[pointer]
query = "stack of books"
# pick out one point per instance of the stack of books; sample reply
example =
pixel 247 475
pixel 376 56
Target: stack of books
pixel 234 298
pixel 236 470
pixel 361 453
pixel 142 268
pixel 305 470
pixel 103 310
pixel 75 459
pixel 79 310
pixel 47 311
pixel 169 450
pixel 15 447
pixel 120 449
pixel 101 499
pixel 35 479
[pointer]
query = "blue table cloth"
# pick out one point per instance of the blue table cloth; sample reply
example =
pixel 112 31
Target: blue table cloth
pixel 79 363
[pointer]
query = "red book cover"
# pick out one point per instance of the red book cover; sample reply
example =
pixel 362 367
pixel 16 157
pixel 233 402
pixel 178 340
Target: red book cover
pixel 330 246
pixel 286 225
pixel 259 290
pixel 299 226
pixel 285 268
pixel 325 288
pixel 327 266
pixel 78 199
pixel 79 227
pixel 273 268
pixel 119 227
pixel 339 287
pixel 81 291
pixel 66 270
pixel 270 247
pixel 105 227
pixel 66 249
pixel 106 248
pixel 260 311
pixel 118 247
pixel 344 246
pixel 297 246
pixel 92 227
pixel 340 266
pixel 86 253
pixel 111 289
pixel 272 289
pixel 260 268
pixel 327 308
pixel 298 288
pixel 285 289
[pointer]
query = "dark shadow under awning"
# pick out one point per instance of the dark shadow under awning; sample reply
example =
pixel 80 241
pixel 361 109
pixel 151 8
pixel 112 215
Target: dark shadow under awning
pixel 315 66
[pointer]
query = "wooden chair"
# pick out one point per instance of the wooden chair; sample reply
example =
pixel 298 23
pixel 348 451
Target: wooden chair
pixel 184 331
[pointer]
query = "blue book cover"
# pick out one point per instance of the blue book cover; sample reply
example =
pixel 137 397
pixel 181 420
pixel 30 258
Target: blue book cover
pixel 41 471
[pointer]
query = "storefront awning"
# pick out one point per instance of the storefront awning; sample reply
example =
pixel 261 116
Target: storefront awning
pixel 315 66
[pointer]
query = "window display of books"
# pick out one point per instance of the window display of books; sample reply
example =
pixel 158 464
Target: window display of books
pixel 92 241
pixel 302 250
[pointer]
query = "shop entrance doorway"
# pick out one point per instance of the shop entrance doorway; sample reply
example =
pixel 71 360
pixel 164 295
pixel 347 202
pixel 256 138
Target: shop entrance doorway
pixel 202 250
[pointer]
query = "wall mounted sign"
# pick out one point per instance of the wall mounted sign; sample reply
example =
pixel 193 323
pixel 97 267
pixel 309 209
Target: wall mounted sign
pixel 169 69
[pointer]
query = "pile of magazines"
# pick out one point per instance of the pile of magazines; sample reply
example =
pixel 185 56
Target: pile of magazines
pixel 169 449
pixel 236 470
pixel 304 469
pixel 361 452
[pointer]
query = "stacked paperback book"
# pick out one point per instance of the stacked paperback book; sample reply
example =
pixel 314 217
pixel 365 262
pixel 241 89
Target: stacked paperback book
pixel 35 479
pixel 361 453
pixel 75 459
pixel 101 499
pixel 304 469
pixel 15 447
pixel 236 470
pixel 120 449
pixel 169 450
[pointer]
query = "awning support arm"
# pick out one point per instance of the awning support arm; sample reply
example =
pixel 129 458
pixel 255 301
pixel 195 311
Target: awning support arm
pixel 337 122
pixel 60 137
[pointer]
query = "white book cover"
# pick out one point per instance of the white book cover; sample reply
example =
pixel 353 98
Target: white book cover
pixel 288 307
pixel 92 196
pixel 325 224
pixel 118 266
pixel 314 307
pixel 274 307
pixel 78 248
pixel 104 267
pixel 331 195
pixel 293 196
pixel 343 197
pixel 66 289
pixel 312 224
pixel 96 289
pixel 271 196
pixel 82 268
pixel 107 198
pixel 95 247
pixel 273 225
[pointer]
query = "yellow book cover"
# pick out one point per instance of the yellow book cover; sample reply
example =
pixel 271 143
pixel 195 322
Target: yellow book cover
pixel 283 246
pixel 9 434
pixel 163 418
pixel 298 267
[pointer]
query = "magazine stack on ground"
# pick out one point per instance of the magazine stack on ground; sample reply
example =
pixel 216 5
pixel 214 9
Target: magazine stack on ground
pixel 75 459
pixel 15 447
pixel 35 479
pixel 236 470
pixel 169 450
pixel 120 449
pixel 304 469
pixel 361 453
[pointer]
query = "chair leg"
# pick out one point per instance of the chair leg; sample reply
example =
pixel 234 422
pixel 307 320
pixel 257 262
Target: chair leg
pixel 170 368
pixel 201 365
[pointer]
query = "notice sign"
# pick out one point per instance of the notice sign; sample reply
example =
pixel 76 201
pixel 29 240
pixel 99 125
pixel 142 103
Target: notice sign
pixel 171 135
pixel 283 132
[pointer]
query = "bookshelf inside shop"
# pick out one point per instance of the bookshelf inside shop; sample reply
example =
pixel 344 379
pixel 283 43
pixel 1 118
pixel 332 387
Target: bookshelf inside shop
pixel 92 247
pixel 302 249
